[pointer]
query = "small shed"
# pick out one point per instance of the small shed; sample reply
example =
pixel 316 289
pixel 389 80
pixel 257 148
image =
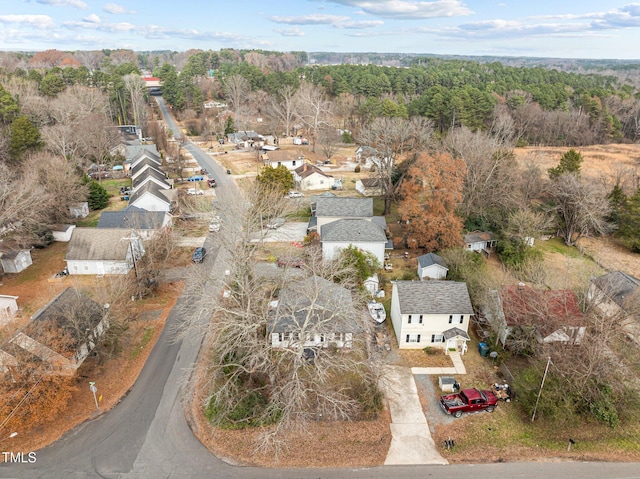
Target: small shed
pixel 372 284
pixel 448 384
pixel 62 232
pixel 15 261
pixel 432 266
pixel 79 210
pixel 8 308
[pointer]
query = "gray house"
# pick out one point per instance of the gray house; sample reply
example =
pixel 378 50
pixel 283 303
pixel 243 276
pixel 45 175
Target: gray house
pixel 432 266
pixel 144 222
pixel 363 234
pixel 103 251
pixel 313 313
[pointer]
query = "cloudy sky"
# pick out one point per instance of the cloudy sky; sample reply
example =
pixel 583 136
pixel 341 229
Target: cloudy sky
pixel 547 28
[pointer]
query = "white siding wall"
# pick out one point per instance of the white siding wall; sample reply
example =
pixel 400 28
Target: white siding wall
pixel 331 250
pixel 284 340
pixel 316 182
pixel 431 324
pixel 98 267
pixel 434 271
pixel 150 203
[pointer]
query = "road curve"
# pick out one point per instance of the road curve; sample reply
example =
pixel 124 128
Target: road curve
pixel 146 436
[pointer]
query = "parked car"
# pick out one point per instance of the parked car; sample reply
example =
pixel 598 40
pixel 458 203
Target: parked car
pixel 199 255
pixel 294 194
pixel 212 182
pixel 468 400
pixel 203 171
pixel 195 191
pixel 228 172
pixel 195 178
pixel 215 224
pixel 275 223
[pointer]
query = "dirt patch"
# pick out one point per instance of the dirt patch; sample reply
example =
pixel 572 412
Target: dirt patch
pixel 417 358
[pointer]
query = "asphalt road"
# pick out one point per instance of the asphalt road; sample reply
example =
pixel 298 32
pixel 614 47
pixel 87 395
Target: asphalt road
pixel 146 436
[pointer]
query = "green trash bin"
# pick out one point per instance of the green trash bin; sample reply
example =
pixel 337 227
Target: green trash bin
pixel 483 349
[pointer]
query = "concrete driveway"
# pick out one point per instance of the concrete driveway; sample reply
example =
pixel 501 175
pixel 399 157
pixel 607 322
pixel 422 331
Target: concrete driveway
pixel 287 233
pixel 411 441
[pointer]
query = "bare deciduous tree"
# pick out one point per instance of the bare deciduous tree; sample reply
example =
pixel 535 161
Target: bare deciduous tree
pixel 236 90
pixel 283 105
pixel 314 110
pixel 395 139
pixel 582 207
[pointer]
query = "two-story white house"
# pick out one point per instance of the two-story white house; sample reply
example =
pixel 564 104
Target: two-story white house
pixel 431 314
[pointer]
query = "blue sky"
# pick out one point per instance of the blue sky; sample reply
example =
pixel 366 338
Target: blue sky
pixel 547 28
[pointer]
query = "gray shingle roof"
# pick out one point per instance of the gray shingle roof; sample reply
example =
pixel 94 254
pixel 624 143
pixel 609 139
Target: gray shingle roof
pixel 453 332
pixel 371 182
pixel 479 236
pixel 150 173
pixel 332 303
pixel 431 258
pixel 93 244
pixel 134 150
pixel 433 297
pixel 353 230
pixel 618 286
pixel 344 207
pixel 144 164
pixel 152 188
pixel 308 170
pixel 132 218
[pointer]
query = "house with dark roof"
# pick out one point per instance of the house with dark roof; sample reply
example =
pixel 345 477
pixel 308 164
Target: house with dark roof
pixel 310 177
pixel 364 235
pixel 151 174
pixel 103 251
pixel 432 266
pixel 328 209
pixel 145 223
pixel 314 313
pixel 554 315
pixel 151 197
pixel 369 187
pixel 62 333
pixel 431 313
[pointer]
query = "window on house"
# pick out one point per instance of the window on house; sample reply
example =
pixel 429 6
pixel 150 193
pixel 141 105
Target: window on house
pixel 294 162
pixel 286 336
pixel 450 318
pixel 409 320
pixel 437 338
pixel 322 338
pixel 413 338
pixel 461 318
pixel 296 336
pixel 420 320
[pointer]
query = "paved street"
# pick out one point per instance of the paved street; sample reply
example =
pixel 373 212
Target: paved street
pixel 146 436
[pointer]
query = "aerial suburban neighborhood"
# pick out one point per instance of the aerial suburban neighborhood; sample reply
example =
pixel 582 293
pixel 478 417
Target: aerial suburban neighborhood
pixel 249 263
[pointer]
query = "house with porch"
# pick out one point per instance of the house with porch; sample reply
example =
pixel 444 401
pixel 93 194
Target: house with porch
pixel 103 251
pixel 314 313
pixel 480 241
pixel 553 315
pixel 431 313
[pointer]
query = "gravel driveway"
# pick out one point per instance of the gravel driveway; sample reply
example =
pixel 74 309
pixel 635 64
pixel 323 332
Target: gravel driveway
pixel 429 397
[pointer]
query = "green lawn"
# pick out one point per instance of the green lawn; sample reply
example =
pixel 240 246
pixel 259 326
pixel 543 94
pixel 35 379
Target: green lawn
pixel 556 245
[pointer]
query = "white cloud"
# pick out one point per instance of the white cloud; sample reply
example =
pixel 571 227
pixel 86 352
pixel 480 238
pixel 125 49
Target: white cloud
pixel 313 19
pixel 64 3
pixel 116 9
pixel 93 18
pixel 290 32
pixel 361 24
pixel 38 21
pixel 409 9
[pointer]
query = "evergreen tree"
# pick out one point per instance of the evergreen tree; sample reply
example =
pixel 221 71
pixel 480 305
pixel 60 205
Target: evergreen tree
pixel 24 136
pixel 98 196
pixel 629 222
pixel 279 178
pixel 569 163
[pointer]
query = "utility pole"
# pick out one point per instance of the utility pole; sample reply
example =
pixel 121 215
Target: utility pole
pixel 544 376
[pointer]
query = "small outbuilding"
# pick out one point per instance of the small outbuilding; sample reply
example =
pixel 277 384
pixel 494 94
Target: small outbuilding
pixel 14 261
pixel 432 266
pixel 62 232
pixel 79 210
pixel 8 308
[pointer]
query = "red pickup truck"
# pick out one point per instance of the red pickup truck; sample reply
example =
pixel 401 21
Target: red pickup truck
pixel 468 400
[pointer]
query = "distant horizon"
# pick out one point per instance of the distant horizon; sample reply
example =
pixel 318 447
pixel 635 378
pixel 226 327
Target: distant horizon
pixel 410 54
pixel 478 28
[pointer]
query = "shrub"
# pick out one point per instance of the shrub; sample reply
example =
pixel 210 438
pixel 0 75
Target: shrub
pixel 357 169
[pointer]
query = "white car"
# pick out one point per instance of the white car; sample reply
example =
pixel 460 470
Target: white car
pixel 215 224
pixel 194 191
pixel 295 194
pixel 275 223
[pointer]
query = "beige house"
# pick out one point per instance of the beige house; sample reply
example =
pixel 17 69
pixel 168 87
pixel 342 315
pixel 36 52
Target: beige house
pixel 310 177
